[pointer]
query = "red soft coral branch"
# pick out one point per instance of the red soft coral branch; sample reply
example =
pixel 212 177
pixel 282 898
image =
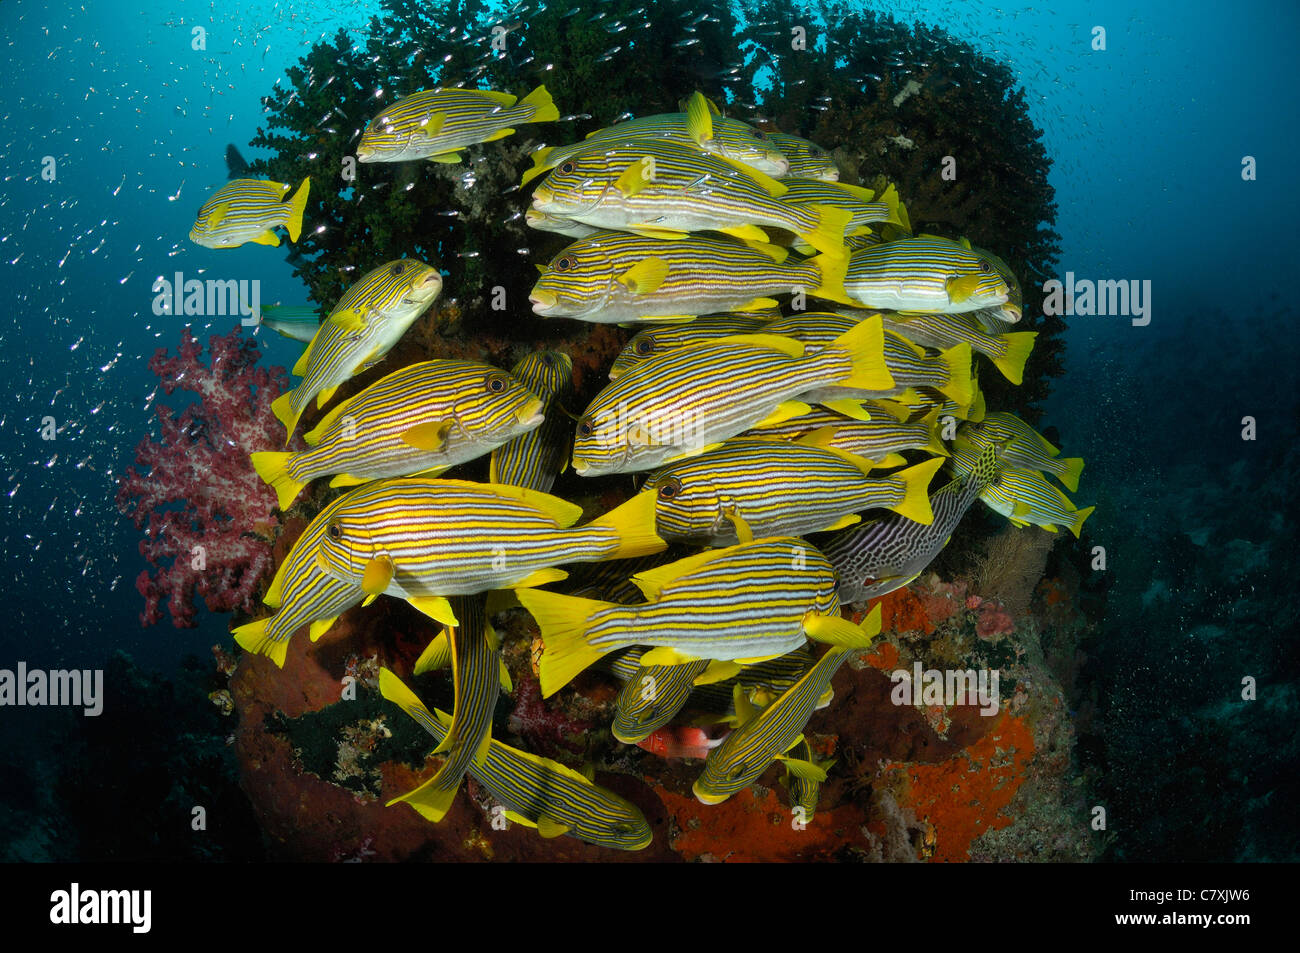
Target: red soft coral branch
pixel 198 488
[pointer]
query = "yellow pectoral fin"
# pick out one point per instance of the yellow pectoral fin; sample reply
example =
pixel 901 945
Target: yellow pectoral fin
pixel 378 574
pixel 430 437
pixel 717 672
pixel 549 827
pixel 540 577
pixel 636 176
pixel 783 412
pixel 436 655
pixel 218 215
pixel 436 608
pixel 960 289
pixel 433 125
pixel 666 656
pixel 349 319
pixel 836 631
pixel 645 276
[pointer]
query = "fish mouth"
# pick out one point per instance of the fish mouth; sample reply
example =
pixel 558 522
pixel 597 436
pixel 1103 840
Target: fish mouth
pixel 532 413
pixel 542 197
pixel 426 289
pixel 542 302
pixel 365 154
pixel 705 797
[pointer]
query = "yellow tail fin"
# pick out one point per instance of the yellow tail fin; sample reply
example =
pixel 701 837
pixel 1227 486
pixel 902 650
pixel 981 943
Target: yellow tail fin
pixel 1079 517
pixel 958 388
pixel 1019 344
pixel 865 345
pixel 544 109
pixel 282 407
pixel 915 504
pixel 833 268
pixel 1072 468
pixel 827 235
pixel 253 638
pixel 272 467
pixel 296 206
pixel 563 622
pixel 634 522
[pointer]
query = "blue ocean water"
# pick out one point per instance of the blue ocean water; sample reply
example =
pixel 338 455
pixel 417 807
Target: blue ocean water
pixel 1147 137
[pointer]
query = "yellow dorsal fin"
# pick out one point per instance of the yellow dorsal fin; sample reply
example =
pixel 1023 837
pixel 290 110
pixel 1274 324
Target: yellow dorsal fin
pixel 699 121
pixel 645 276
pixel 651 582
pixel 562 511
pixel 776 342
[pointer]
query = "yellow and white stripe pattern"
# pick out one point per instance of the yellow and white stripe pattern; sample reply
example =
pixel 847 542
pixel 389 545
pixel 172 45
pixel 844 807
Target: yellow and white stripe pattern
pixel 924 274
pixel 687 399
pixel 745 754
pixel 779 489
pixel 534 459
pixel 368 320
pixel 536 792
pixel 246 210
pixel 434 124
pixel 614 277
pixel 422 419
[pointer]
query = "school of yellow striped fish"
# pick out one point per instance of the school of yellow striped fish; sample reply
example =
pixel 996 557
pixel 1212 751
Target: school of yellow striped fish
pixel 754 415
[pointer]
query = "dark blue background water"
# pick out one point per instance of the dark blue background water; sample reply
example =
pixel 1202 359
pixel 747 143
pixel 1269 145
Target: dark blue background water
pixel 1147 137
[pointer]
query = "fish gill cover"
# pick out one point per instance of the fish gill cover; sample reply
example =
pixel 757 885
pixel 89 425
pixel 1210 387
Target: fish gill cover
pixel 921 780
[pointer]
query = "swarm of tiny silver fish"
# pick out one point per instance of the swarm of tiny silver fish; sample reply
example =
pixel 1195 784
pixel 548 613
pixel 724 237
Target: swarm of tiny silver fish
pixel 803 367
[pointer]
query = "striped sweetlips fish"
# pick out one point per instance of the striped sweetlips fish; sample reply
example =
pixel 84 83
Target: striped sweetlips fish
pixel 924 274
pixel 803 787
pixel 615 277
pixel 302 593
pixel 886 433
pixel 698 127
pixel 1025 447
pixel 1007 351
pixel 1022 495
pixel 652 697
pixel 436 123
pixel 779 489
pixel 473 650
pixel 685 400
pixel 424 540
pixel 863 205
pixel 656 340
pixel 557 223
pixel 765 736
pixel 881 555
pixel 536 792
pixel 745 603
pixel 666 190
pixel 368 320
pixel 535 458
pixel 949 373
pixel 420 420
pixel 246 210
pixel 807 159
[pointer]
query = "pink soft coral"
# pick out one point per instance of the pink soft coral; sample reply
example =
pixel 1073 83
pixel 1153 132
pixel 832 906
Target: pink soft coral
pixel 200 489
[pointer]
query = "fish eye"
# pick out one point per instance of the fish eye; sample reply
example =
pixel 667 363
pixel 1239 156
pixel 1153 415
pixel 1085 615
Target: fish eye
pixel 985 267
pixel 670 488
pixel 398 269
pixel 760 134
pixel 496 383
pixel 644 347
pixel 565 263
pixel 334 531
pixel 586 427
pixel 567 168
pixel 548 359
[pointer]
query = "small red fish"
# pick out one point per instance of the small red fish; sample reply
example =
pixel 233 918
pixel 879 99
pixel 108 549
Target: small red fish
pixel 679 741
